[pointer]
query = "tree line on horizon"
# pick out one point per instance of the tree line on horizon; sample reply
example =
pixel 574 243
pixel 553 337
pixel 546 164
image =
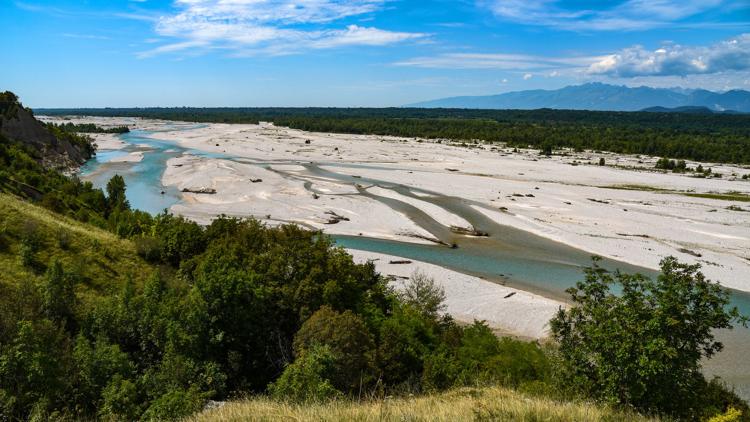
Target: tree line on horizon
pixel 699 137
pixel 88 128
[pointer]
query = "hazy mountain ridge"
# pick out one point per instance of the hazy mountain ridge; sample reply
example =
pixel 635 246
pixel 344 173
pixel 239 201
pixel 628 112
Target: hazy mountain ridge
pixel 599 96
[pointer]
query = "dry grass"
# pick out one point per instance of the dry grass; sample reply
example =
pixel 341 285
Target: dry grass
pixel 465 404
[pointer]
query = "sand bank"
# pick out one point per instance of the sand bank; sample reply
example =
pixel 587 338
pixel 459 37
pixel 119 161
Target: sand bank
pixel 625 210
pixel 133 157
pixel 505 309
pixel 253 191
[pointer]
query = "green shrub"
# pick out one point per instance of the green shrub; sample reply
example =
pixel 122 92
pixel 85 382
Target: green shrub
pixel 31 243
pixel 96 365
pixel 307 379
pixel 34 368
pixel 4 241
pixel 643 347
pixel 441 371
pixel 487 359
pixel 63 239
pixel 148 248
pixel 181 239
pixel 27 255
pixel 406 338
pixel 716 398
pixel 423 294
pixel 731 415
pixel 175 404
pixel 349 340
pixel 121 400
pixel 58 295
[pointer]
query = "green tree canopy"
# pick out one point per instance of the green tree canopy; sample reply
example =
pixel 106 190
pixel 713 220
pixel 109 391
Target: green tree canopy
pixel 643 347
pixel 116 199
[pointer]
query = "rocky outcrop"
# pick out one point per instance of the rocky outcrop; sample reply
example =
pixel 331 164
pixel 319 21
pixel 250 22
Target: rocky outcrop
pixel 19 124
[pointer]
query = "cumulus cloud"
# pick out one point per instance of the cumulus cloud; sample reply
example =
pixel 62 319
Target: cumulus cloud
pixel 721 65
pixel 625 15
pixel 676 60
pixel 248 27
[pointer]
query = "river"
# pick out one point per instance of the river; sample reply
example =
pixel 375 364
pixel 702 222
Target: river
pixel 508 255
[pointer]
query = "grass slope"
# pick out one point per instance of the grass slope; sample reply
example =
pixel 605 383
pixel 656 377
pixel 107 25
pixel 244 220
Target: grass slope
pixel 479 404
pixel 102 259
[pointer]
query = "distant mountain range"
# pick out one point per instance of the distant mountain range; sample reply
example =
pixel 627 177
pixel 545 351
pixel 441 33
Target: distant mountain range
pixel 599 96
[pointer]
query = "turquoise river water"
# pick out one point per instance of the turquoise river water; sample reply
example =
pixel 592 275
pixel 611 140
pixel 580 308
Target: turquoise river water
pixel 508 255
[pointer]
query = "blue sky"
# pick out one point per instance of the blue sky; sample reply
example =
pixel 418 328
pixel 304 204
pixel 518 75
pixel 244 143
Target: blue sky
pixel 97 53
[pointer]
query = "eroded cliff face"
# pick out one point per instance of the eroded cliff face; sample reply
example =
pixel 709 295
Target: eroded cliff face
pixel 19 124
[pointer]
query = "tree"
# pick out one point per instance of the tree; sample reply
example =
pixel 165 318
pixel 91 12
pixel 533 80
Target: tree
pixel 643 347
pixel 116 200
pixel 175 404
pixel 33 370
pixel 120 400
pixel 665 164
pixel 58 295
pixel 421 292
pixel 179 239
pixel 405 340
pixel 482 358
pixel 546 149
pixel 348 338
pixel 308 378
pixel 96 365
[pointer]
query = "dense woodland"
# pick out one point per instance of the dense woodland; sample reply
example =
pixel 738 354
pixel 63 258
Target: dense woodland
pixel 108 312
pixel 90 128
pixel 701 137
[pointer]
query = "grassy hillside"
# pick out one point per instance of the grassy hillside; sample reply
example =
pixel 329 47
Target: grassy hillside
pixel 480 404
pixel 101 259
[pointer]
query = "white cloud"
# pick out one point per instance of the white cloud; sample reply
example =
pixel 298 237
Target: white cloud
pixel 676 60
pixel 498 61
pixel 357 35
pixel 171 48
pixel 85 36
pixel 527 76
pixel 250 27
pixel 627 15
pixel 724 64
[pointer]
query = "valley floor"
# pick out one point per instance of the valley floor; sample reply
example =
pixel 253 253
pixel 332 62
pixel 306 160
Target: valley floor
pixel 424 191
